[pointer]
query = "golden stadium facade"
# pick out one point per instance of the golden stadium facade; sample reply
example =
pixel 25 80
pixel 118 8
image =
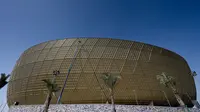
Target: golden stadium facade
pixel 138 64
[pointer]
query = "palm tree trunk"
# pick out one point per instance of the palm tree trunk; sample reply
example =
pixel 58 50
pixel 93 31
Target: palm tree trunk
pixel 47 102
pixel 112 100
pixel 2 83
pixel 178 98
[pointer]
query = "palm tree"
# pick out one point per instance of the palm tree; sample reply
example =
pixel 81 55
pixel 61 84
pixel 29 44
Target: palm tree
pixel 3 79
pixel 110 81
pixel 52 88
pixel 194 73
pixel 169 82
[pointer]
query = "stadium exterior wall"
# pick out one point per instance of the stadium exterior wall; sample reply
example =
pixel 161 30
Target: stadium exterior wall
pixel 138 64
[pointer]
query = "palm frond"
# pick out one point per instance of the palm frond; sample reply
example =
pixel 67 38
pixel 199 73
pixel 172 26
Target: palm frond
pixel 4 76
pixel 3 79
pixel 48 84
pixel 110 80
pixel 51 86
pixel 47 81
pixel 193 73
pixel 55 88
pixel 105 76
pixel 166 80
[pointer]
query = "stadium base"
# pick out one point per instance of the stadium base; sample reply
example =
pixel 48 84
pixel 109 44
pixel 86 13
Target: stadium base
pixel 99 108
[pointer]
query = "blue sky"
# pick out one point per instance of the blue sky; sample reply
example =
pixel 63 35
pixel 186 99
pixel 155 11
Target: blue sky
pixel 171 24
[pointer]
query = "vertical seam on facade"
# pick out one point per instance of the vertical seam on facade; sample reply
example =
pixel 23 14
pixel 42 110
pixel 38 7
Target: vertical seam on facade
pixel 66 53
pixel 138 58
pixel 113 59
pixel 101 87
pixel 150 54
pixel 83 66
pixel 101 54
pixel 95 76
pixel 126 58
pixel 80 59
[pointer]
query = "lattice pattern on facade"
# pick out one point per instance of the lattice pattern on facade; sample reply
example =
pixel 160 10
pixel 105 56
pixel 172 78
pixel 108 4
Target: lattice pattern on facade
pixel 137 63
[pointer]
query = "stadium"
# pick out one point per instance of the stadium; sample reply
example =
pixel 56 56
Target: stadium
pixel 137 63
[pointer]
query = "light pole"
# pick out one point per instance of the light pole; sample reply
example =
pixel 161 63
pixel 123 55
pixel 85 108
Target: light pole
pixel 69 70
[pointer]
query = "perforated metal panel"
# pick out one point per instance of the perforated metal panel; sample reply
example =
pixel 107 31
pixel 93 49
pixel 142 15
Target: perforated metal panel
pixel 138 64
